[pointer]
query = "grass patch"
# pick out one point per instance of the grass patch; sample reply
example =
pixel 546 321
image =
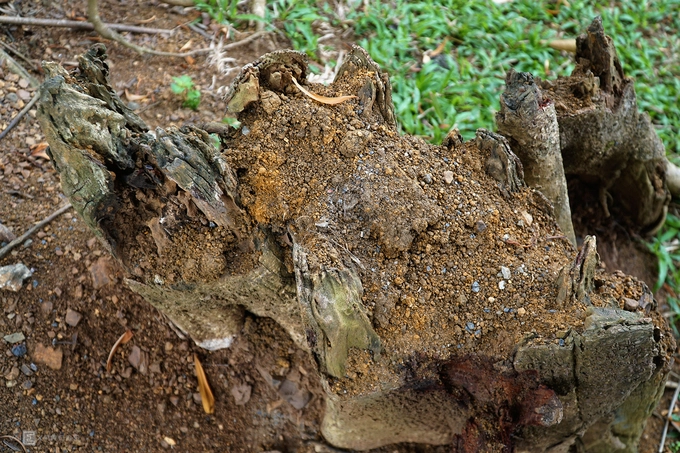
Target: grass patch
pixel 477 43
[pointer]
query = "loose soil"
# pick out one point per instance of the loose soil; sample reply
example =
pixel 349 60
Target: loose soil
pixel 149 401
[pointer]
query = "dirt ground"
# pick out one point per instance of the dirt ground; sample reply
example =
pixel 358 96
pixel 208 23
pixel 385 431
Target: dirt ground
pixel 75 306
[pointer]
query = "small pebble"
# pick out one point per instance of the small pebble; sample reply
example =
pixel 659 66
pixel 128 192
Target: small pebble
pixel 19 350
pixel 16 337
pixel 72 317
pixel 13 374
pixel 23 94
pixel 630 304
pixel 448 177
pixel 506 272
pixel 475 287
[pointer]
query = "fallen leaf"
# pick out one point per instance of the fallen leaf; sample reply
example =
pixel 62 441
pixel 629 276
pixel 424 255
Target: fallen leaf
pixel 207 397
pixel 122 340
pixel 186 46
pixel 135 97
pixel 145 21
pixel 39 150
pixel 675 424
pixel 440 47
pixel 322 99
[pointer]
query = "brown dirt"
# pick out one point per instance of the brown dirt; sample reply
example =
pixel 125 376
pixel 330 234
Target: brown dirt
pixel 80 406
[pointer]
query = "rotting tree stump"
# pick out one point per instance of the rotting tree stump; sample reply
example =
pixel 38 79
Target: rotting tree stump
pixel 436 292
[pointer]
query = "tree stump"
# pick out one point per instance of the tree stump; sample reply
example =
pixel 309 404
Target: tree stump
pixel 435 291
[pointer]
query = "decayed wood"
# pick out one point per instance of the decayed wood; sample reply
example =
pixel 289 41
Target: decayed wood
pixel 605 140
pixel 530 122
pixel 176 214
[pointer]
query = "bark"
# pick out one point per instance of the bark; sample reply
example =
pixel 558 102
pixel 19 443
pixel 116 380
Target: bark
pixel 606 142
pixel 374 251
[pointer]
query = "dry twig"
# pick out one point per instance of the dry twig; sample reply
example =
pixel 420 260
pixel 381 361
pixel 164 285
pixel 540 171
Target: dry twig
pixel 662 444
pixel 6 249
pixel 15 440
pixel 15 20
pixel 106 32
pixel 18 69
pixel 19 54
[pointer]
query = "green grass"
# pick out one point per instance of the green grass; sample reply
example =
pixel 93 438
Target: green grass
pixel 481 41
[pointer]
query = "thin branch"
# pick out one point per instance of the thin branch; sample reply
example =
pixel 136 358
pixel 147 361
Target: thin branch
pixel 673 178
pixel 18 69
pixel 20 115
pixel 245 40
pixel 16 20
pixel 106 32
pixel 662 444
pixel 19 54
pixel 198 30
pixel 179 2
pixel 15 440
pixel 259 8
pixel 6 249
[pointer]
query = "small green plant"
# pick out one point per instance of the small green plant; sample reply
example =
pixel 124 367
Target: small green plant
pixel 216 141
pixel 184 86
pixel 231 121
pixel 675 446
pixel 219 10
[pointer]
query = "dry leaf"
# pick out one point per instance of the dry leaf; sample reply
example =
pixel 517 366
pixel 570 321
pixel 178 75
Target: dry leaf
pixel 322 99
pixel 207 397
pixel 675 424
pixel 440 47
pixel 122 340
pixel 38 150
pixel 145 21
pixel 563 44
pixel 186 46
pixel 135 97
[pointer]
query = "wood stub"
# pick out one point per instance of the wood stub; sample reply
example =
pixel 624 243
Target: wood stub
pixel 529 121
